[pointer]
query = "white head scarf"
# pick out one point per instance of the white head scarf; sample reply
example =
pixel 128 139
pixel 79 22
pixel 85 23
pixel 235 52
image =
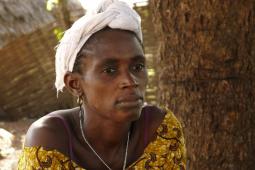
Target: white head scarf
pixel 112 13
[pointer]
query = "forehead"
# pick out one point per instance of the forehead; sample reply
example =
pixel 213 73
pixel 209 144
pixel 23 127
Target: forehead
pixel 111 42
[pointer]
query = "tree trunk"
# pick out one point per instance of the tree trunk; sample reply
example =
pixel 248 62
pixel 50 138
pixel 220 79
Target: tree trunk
pixel 206 76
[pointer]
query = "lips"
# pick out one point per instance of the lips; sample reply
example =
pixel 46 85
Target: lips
pixel 130 101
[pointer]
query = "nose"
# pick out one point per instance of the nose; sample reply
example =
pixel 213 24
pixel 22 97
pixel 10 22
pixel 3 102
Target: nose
pixel 128 80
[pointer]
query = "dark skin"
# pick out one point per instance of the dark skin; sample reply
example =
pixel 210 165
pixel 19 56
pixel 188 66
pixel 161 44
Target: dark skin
pixel 112 84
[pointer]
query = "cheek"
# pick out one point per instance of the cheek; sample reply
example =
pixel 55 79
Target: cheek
pixel 99 94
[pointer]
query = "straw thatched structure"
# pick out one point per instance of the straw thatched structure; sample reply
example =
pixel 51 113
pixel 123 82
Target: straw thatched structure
pixel 27 60
pixel 21 17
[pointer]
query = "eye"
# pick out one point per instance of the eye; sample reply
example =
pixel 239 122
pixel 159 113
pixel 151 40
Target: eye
pixel 109 70
pixel 138 67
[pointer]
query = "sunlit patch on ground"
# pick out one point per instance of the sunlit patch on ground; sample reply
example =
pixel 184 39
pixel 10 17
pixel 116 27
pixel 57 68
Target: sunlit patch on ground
pixel 12 135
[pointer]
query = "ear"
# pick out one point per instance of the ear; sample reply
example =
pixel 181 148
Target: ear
pixel 73 83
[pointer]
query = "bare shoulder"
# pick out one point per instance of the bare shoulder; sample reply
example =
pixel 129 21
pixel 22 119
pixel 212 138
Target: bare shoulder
pixel 154 114
pixel 49 132
pixel 157 116
pixel 151 118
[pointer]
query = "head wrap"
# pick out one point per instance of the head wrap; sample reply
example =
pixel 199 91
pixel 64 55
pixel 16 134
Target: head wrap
pixel 112 13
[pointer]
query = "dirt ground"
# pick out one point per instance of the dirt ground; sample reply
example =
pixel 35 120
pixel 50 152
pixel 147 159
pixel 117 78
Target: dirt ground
pixel 12 136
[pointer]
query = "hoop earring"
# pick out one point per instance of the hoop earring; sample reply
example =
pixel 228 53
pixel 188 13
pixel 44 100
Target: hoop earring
pixel 79 101
pixel 81 113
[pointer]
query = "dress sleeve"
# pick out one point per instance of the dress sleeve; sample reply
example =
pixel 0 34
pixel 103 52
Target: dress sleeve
pixel 171 132
pixel 37 158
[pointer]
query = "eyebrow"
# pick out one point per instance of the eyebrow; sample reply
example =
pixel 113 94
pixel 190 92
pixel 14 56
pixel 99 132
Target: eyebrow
pixel 138 58
pixel 113 61
pixel 109 61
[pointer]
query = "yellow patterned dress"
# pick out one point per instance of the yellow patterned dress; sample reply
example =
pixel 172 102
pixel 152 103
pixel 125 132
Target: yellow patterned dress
pixel 166 152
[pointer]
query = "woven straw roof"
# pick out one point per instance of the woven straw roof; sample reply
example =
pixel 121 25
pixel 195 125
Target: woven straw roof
pixel 19 17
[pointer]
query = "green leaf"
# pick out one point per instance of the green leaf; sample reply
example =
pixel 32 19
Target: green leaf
pixel 59 32
pixel 51 4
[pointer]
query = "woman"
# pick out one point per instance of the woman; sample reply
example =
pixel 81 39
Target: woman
pixel 101 61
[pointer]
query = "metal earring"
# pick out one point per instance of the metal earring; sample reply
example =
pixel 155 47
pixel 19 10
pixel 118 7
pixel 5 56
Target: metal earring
pixel 79 101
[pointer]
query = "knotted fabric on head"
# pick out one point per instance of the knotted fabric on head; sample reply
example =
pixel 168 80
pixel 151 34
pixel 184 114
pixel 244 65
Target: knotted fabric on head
pixel 112 13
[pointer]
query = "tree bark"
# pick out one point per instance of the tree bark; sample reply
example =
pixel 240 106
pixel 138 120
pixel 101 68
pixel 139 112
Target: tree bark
pixel 206 76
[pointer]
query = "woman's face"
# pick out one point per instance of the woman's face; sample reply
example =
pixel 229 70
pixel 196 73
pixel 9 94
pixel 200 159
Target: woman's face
pixel 114 75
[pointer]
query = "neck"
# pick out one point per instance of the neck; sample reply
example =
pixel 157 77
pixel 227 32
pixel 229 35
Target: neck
pixel 104 134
